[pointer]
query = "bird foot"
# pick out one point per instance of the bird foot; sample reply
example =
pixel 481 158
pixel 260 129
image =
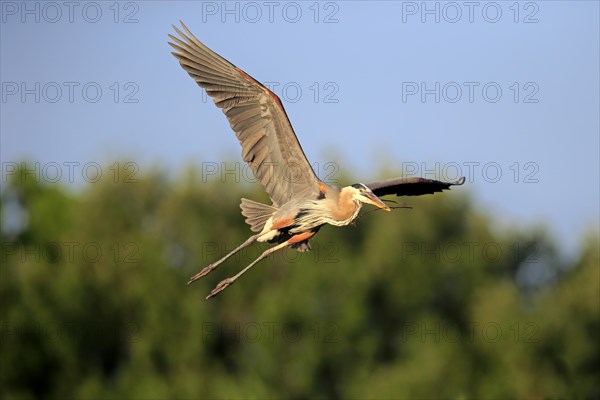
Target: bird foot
pixel 202 273
pixel 220 287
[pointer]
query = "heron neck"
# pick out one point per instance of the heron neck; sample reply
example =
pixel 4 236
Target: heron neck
pixel 346 213
pixel 341 207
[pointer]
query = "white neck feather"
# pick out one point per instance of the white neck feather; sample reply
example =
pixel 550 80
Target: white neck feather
pixel 315 215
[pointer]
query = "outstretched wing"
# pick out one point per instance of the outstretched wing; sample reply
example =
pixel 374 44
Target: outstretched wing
pixel 256 115
pixel 411 186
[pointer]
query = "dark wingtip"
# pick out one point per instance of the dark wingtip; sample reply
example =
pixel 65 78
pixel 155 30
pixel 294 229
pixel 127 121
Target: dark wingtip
pixel 459 182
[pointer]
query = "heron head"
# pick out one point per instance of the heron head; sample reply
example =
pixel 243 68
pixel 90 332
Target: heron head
pixel 365 195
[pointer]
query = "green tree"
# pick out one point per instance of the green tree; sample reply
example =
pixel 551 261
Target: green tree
pixel 425 302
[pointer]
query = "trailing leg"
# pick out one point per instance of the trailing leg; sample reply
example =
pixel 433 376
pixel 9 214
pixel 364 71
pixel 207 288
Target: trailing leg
pixel 228 281
pixel 214 265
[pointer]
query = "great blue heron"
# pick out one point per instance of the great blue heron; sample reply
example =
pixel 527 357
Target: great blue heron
pixel 301 203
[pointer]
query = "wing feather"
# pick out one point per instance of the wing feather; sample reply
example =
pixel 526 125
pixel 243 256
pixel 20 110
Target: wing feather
pixel 411 186
pixel 256 115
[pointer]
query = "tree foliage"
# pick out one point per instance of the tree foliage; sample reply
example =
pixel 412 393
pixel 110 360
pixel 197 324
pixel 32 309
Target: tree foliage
pixel 429 302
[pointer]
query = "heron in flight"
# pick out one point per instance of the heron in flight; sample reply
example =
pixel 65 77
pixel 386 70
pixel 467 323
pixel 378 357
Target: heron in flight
pixel 301 203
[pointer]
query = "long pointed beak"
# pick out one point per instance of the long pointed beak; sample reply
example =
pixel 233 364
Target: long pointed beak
pixel 376 201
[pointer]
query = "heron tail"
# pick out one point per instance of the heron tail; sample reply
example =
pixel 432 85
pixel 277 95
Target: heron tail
pixel 256 213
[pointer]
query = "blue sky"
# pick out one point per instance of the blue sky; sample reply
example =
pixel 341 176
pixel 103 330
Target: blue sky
pixel 505 93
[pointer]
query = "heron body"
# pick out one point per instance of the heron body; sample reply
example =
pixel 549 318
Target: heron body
pixel 301 202
pixel 333 206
